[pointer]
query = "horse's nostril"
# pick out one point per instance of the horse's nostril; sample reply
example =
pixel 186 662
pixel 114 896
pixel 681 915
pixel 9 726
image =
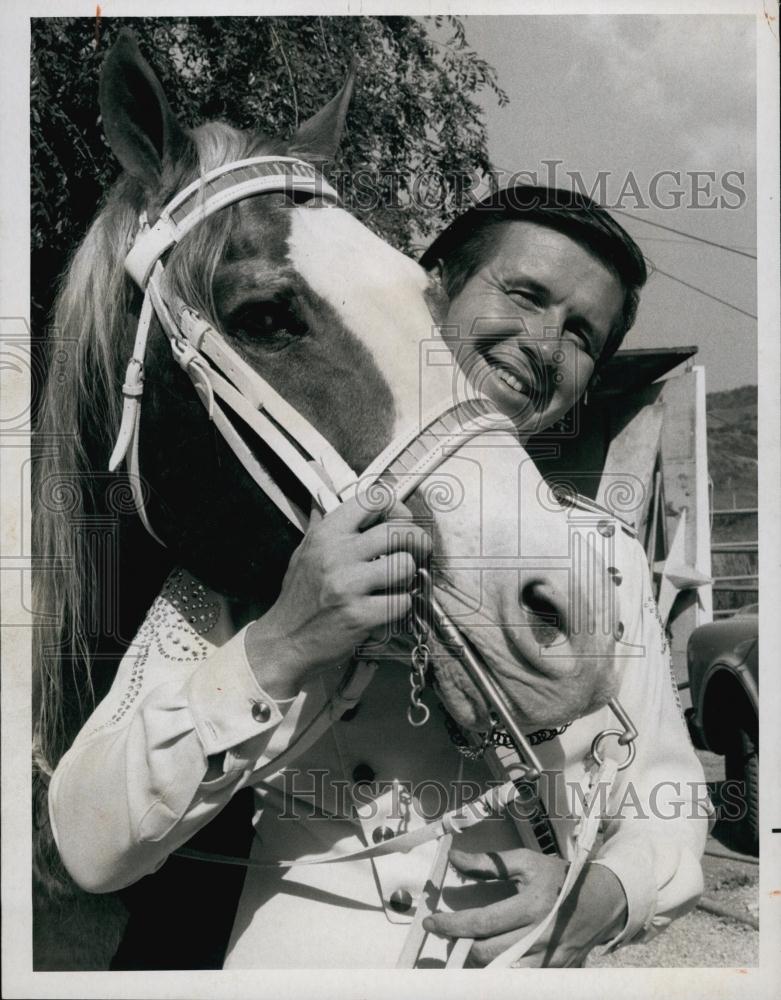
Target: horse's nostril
pixel 547 621
pixel 535 599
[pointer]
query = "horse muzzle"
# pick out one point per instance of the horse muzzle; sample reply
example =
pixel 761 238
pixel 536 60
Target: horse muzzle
pixel 548 666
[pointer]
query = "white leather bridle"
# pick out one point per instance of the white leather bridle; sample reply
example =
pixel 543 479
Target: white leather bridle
pixel 225 382
pixel 219 374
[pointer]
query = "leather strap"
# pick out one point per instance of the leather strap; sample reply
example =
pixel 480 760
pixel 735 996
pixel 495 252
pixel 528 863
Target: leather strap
pixel 490 803
pixel 217 189
pixel 602 783
pixel 262 396
pixel 426 443
pixel 417 934
pixel 133 387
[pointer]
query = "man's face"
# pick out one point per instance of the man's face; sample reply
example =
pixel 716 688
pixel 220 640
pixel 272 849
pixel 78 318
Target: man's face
pixel 532 322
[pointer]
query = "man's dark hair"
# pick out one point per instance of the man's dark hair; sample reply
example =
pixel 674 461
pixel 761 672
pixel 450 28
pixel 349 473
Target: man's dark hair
pixel 470 241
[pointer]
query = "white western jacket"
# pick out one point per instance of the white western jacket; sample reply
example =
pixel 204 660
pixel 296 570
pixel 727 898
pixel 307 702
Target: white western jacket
pixel 186 725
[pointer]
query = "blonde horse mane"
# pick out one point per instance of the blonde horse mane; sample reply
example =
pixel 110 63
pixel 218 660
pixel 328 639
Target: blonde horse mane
pixel 90 324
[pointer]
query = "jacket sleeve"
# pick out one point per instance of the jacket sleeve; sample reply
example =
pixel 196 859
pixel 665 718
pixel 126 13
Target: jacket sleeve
pixel 659 810
pixel 184 725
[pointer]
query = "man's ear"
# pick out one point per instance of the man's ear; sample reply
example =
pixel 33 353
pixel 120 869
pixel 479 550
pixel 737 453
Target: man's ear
pixel 137 119
pixel 318 138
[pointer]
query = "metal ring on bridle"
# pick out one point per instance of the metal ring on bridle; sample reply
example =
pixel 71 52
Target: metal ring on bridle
pixel 600 737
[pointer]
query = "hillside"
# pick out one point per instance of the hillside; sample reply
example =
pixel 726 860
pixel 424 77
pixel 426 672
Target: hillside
pixel 732 446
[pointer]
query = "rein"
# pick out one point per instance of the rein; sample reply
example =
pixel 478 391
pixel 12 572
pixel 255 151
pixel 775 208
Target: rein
pixel 225 383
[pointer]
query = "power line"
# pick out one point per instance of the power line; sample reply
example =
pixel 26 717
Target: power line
pixel 745 312
pixel 670 229
pixel 680 232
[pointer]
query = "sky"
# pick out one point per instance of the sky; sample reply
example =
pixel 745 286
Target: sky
pixel 640 95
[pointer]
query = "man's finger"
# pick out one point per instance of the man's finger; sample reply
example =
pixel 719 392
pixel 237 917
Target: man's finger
pixel 360 512
pixel 379 610
pixel 355 514
pixel 482 921
pixel 517 864
pixel 483 952
pixel 395 572
pixel 390 537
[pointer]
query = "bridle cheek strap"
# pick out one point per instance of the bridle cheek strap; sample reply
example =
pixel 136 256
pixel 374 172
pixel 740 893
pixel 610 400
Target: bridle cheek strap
pixel 126 444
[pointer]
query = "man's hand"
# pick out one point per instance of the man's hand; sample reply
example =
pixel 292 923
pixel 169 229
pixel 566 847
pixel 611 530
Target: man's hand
pixel 336 593
pixel 594 911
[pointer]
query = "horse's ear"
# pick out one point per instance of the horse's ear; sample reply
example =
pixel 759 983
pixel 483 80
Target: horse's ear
pixel 318 138
pixel 139 124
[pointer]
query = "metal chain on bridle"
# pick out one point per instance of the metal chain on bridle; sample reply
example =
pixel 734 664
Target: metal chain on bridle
pixel 418 713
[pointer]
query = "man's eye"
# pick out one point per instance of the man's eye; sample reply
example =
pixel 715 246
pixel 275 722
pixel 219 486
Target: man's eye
pixel 581 338
pixel 524 297
pixel 271 320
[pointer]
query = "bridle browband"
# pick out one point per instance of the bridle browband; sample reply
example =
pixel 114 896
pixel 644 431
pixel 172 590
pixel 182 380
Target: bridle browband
pixel 225 382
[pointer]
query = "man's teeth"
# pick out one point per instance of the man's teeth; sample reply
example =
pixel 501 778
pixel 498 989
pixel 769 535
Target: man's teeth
pixel 511 380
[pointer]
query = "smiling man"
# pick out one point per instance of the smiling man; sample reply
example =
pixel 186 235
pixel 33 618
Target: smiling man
pixel 543 287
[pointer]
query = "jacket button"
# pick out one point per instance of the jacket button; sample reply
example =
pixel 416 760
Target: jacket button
pixel 362 772
pixel 606 528
pixel 380 833
pixel 615 575
pixel 261 712
pixel 619 630
pixel 400 901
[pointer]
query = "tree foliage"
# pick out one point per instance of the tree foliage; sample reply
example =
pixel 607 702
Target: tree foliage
pixel 414 130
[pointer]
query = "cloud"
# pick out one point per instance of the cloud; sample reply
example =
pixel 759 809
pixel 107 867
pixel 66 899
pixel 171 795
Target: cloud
pixel 696 75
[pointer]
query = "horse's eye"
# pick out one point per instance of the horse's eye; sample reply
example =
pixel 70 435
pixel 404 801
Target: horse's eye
pixel 276 320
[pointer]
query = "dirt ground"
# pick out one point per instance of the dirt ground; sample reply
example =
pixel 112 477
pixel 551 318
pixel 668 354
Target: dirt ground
pixel 702 939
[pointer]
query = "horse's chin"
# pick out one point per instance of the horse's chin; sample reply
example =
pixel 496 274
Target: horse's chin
pixel 459 695
pixel 468 707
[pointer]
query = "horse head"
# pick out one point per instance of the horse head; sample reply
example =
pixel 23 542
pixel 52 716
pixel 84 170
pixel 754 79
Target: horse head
pixel 345 328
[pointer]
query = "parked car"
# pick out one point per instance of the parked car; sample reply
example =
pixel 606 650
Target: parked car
pixel 722 660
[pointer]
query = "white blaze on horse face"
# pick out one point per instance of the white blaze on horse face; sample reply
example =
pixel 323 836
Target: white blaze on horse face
pixel 379 296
